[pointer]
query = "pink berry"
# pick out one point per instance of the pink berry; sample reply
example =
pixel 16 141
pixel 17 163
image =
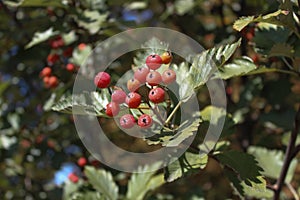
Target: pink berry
pixel 112 109
pixel 145 121
pixel 118 96
pixel 133 100
pixel 153 61
pixel 102 80
pixel 81 161
pixel 133 84
pixel 70 67
pixel 127 121
pixel 157 95
pixel 73 177
pixel 168 76
pixel 153 78
pixel 141 73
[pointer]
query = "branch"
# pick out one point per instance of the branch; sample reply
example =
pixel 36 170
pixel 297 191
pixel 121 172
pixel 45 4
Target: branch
pixel 289 155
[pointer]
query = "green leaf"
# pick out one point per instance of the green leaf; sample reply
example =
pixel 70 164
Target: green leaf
pixel 136 5
pixel 272 162
pixel 184 6
pixel 83 104
pixel 281 49
pixel 239 67
pixel 69 38
pixel 241 163
pixel 79 56
pixel 35 3
pixel 102 181
pixel 143 181
pixel 242 22
pixel 3 87
pixel 256 190
pixel 70 188
pixel 88 195
pixel 185 165
pixel 91 20
pixel 41 37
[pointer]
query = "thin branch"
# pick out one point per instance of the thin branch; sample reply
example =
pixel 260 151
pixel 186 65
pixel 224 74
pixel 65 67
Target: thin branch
pixel 289 155
pixel 293 191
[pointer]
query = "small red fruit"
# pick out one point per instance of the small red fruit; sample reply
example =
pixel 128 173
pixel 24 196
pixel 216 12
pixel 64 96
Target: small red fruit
pixel 153 78
pixel 168 76
pixel 141 73
pixel 52 82
pixel 112 109
pixel 118 96
pixel 52 58
pixel 73 177
pixel 46 72
pixel 133 84
pixel 102 80
pixel 145 121
pixel 157 95
pixel 127 121
pixel 70 67
pixel 81 46
pixel 133 100
pixel 81 161
pixel 166 57
pixel 68 52
pixel 154 61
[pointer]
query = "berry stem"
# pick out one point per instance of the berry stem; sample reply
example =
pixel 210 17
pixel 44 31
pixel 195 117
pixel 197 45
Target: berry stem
pixel 173 112
pixel 109 90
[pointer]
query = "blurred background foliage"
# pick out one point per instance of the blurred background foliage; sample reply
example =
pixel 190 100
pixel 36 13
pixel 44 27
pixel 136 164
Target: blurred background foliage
pixel 39 148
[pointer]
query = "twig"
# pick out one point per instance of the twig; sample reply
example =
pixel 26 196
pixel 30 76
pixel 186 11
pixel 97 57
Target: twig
pixel 173 112
pixel 289 155
pixel 293 191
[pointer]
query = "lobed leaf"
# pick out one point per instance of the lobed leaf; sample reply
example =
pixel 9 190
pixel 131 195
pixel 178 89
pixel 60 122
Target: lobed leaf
pixel 41 37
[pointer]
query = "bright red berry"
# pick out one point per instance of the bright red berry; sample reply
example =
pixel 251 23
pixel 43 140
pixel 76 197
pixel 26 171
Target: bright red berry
pixel 57 42
pixel 73 177
pixel 145 121
pixel 133 84
pixel 52 58
pixel 141 73
pixel 127 121
pixel 46 72
pixel 157 95
pixel 168 76
pixel 153 78
pixel 102 80
pixel 112 109
pixel 133 100
pixel 82 162
pixel 166 57
pixel 154 61
pixel 70 67
pixel 52 82
pixel 118 96
pixel 81 46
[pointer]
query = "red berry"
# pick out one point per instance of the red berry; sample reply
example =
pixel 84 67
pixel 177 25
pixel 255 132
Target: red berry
pixel 157 95
pixel 57 42
pixel 133 100
pixel 141 73
pixel 73 177
pixel 102 80
pixel 68 52
pixel 81 46
pixel 127 121
pixel 82 162
pixel 70 67
pixel 52 82
pixel 168 76
pixel 166 57
pixel 52 58
pixel 153 78
pixel 133 84
pixel 145 121
pixel 46 72
pixel 153 61
pixel 118 96
pixel 112 109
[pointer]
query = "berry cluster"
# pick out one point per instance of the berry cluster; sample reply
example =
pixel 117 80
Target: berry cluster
pixel 148 76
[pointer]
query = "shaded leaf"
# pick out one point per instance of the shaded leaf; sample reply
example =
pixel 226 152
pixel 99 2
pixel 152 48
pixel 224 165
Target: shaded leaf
pixel 272 162
pixel 281 49
pixel 91 20
pixel 241 163
pixel 185 165
pixel 102 181
pixel 41 37
pixel 143 181
pixel 35 3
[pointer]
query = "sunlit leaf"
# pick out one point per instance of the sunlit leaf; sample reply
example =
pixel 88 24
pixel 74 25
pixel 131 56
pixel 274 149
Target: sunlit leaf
pixel 91 20
pixel 102 181
pixel 183 6
pixel 41 37
pixel 272 162
pixel 35 3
